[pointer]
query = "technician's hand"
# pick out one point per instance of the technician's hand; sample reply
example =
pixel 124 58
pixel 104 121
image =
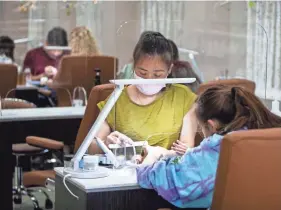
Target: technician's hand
pixel 179 147
pixel 118 138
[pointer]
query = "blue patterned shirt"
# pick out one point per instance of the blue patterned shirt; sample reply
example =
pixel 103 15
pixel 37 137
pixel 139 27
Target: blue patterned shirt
pixel 187 181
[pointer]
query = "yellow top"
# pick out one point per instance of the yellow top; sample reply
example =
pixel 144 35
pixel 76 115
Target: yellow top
pixel 159 122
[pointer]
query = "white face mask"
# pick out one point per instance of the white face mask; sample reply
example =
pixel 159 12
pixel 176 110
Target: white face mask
pixel 149 89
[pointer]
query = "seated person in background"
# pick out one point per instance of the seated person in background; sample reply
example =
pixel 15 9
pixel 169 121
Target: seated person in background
pixel 188 181
pixel 156 113
pixel 7 47
pixel 182 69
pixel 81 42
pixel 41 60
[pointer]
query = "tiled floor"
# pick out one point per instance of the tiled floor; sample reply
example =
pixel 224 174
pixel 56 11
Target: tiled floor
pixel 27 204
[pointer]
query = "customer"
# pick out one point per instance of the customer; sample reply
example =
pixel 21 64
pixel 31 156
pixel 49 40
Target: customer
pixel 82 42
pixel 41 60
pixel 7 47
pixel 188 181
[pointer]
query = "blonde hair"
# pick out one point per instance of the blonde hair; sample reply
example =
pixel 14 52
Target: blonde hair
pixel 82 42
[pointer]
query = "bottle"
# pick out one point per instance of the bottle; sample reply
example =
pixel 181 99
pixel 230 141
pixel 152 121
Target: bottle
pixel 97 78
pixel 27 73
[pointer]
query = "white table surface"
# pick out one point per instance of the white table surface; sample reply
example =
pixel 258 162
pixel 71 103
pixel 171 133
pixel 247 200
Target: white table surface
pixel 118 179
pixel 26 87
pixel 8 115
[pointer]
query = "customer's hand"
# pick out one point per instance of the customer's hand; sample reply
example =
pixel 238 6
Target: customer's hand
pixel 151 154
pixel 118 138
pixel 50 71
pixel 179 147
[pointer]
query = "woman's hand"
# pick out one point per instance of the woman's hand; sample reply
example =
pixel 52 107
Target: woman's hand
pixel 50 71
pixel 179 147
pixel 118 138
pixel 152 154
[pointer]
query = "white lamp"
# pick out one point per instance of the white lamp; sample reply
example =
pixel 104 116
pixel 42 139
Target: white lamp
pixel 106 110
pixel 275 108
pixel 183 50
pixel 57 48
pixel 23 40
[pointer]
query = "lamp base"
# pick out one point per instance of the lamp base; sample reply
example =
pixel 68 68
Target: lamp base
pixel 83 174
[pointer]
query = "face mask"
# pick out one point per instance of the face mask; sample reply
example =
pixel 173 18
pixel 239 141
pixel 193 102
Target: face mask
pixel 149 89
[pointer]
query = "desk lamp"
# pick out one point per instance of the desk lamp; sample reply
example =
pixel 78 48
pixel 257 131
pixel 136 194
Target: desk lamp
pixel 74 170
pixel 57 48
pixel 276 107
pixel 22 40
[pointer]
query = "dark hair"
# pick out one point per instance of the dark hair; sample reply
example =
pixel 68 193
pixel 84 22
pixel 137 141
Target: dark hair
pixel 174 50
pixel 153 44
pixel 7 47
pixel 234 108
pixel 182 69
pixel 57 37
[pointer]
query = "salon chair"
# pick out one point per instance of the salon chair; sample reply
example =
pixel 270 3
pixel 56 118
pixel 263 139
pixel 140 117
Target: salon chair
pixel 35 178
pixel 79 71
pixel 249 171
pixel 22 181
pixel 247 84
pixel 98 93
pixel 8 79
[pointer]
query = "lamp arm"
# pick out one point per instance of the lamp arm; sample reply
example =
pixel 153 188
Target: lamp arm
pixel 275 107
pixel 96 127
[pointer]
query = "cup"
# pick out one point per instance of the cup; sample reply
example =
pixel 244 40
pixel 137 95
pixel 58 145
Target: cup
pixel 91 162
pixel 67 160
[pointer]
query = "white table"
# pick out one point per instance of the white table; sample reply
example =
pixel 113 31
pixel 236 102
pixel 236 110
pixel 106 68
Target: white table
pixel 41 113
pixel 118 179
pixel 26 87
pixel 118 191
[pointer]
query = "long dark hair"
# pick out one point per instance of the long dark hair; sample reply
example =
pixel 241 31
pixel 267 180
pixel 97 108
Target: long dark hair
pixel 234 108
pixel 7 47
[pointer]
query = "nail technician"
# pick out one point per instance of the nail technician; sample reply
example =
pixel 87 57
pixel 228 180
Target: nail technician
pixel 157 113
